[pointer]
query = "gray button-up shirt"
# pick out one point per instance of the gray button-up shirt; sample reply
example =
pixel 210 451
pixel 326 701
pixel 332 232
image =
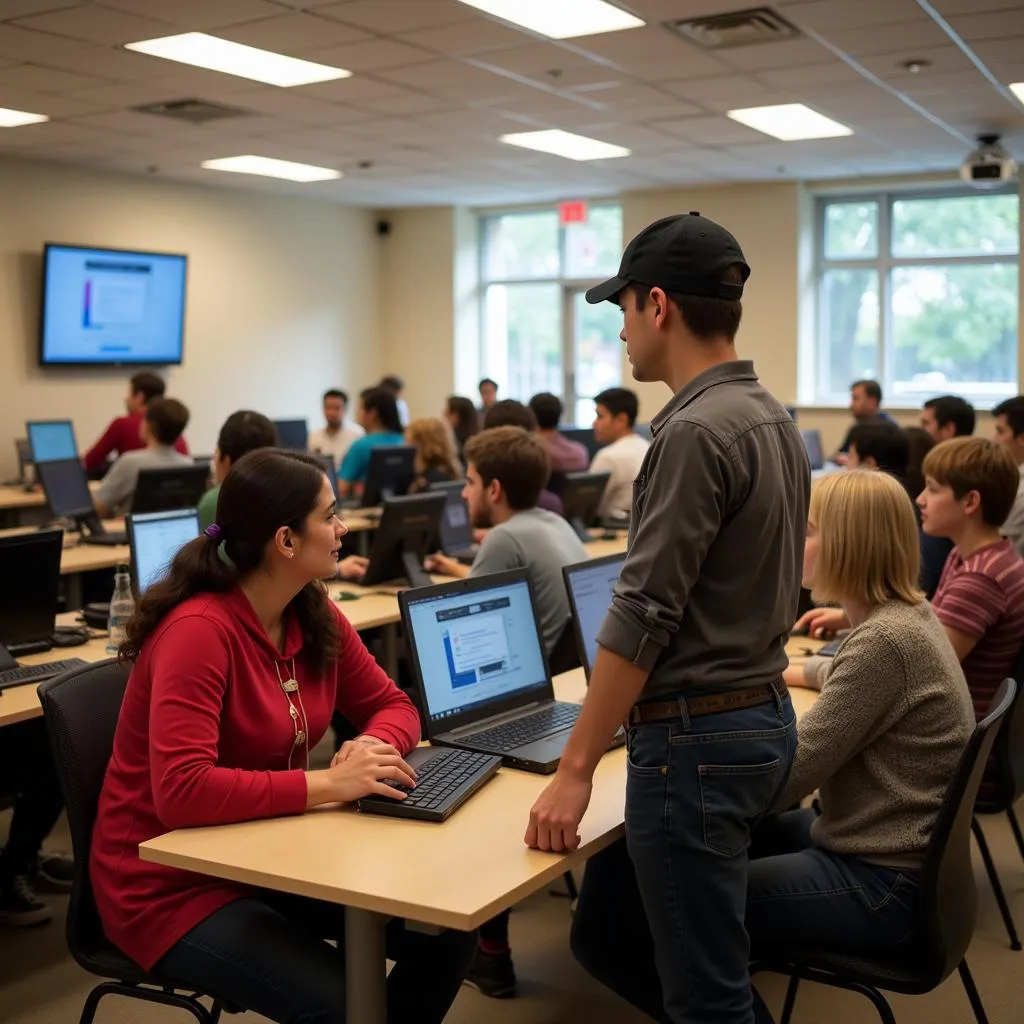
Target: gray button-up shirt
pixel 708 592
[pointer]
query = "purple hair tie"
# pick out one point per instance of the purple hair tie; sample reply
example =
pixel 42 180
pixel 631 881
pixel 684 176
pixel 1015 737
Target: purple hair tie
pixel 214 532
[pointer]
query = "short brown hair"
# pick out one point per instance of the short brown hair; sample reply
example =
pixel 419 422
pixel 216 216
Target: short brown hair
pixel 147 384
pixel 966 464
pixel 167 419
pixel 516 459
pixel 510 413
pixel 706 319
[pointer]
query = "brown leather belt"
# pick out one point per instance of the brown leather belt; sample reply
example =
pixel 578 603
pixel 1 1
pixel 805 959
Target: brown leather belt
pixel 712 703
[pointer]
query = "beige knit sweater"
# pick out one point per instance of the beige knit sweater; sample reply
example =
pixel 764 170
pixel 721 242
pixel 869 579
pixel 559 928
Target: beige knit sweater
pixel 884 738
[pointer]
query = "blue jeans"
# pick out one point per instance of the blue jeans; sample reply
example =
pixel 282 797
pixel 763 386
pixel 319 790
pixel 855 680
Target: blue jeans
pixel 695 789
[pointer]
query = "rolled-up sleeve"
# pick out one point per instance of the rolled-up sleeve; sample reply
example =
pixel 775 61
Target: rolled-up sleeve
pixel 685 488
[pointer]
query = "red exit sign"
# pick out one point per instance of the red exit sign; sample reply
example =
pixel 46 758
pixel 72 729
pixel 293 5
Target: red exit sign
pixel 574 212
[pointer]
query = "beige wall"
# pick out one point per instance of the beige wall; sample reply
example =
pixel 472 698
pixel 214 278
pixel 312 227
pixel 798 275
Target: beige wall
pixel 281 298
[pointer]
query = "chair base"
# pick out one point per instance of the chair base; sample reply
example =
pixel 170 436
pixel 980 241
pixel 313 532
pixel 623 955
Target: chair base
pixel 165 997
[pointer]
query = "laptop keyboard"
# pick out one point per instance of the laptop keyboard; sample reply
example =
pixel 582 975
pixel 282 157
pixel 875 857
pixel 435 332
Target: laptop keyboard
pixel 545 722
pixel 37 673
pixel 441 776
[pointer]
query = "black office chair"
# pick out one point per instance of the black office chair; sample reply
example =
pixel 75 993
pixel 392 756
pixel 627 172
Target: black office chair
pixel 81 710
pixel 948 902
pixel 1008 757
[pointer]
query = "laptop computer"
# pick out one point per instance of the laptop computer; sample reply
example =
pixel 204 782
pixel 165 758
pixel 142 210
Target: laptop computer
pixel 155 538
pixel 30 563
pixel 480 673
pixel 456 530
pixel 812 442
pixel 590 585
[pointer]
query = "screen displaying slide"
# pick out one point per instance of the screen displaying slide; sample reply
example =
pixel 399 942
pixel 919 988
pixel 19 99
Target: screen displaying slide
pixel 476 647
pixel 156 542
pixel 103 306
pixel 592 589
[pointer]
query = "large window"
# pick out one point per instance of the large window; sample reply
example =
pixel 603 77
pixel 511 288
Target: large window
pixel 538 332
pixel 920 292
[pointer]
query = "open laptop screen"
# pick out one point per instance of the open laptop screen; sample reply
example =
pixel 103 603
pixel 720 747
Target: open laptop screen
pixel 51 440
pixel 475 645
pixel 156 537
pixel 590 586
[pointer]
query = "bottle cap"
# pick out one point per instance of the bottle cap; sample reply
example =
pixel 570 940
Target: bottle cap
pixel 122 567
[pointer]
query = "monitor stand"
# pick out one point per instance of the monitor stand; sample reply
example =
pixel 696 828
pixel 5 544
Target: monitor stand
pixel 94 532
pixel 414 571
pixel 580 527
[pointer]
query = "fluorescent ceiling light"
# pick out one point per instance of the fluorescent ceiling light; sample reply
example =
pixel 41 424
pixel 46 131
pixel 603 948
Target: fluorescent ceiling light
pixel 560 19
pixel 16 118
pixel 270 168
pixel 572 147
pixel 204 51
pixel 1017 88
pixel 790 122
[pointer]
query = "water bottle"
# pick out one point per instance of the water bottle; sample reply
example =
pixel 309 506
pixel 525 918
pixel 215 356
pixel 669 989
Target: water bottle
pixel 122 606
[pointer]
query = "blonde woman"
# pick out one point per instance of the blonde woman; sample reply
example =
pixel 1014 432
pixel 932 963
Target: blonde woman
pixel 435 460
pixel 880 744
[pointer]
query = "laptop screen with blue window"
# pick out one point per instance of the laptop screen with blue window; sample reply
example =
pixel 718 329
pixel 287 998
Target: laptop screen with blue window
pixel 477 647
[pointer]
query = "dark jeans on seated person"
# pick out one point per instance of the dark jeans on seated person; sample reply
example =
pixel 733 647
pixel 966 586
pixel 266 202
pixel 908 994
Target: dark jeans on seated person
pixel 27 771
pixel 798 896
pixel 267 953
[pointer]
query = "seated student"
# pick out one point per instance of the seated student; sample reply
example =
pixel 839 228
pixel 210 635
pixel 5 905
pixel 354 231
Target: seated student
pixel 27 772
pixel 242 432
pixel 462 417
pixel 506 473
pixel 566 456
pixel 162 426
pixel 488 395
pixel 1009 417
pixel 624 450
pixel 396 386
pixel 510 413
pixel 378 416
pixel 934 550
pixel 435 461
pixel 237 666
pixel 947 416
pixel 337 436
pixel 865 407
pixel 123 434
pixel 880 745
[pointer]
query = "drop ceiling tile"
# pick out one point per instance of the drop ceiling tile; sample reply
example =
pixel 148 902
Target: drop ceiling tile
pixel 998 49
pixel 294 34
pixel 293 107
pixel 789 54
pixel 96 25
pixel 371 55
pixel 39 79
pixel 456 79
pixel 198 15
pixel 724 86
pixel 908 39
pixel 537 58
pixel 953 7
pixel 811 76
pixel 995 25
pixel 827 15
pixel 52 104
pixel 11 9
pixel 135 125
pixel 102 61
pixel 465 38
pixel 943 59
pixel 405 104
pixel 26 44
pixel 385 15
pixel 351 90
pixel 709 131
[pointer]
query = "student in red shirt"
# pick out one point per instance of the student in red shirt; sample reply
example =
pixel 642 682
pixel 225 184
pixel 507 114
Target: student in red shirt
pixel 239 662
pixel 123 433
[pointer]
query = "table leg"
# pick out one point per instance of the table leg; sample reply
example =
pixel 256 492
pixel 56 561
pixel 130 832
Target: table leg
pixel 366 992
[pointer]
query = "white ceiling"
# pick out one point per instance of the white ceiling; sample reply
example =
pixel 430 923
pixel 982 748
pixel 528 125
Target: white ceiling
pixel 436 82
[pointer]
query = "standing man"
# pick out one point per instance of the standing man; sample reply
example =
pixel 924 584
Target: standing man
pixel 623 452
pixel 488 394
pixel 336 438
pixel 865 407
pixel 693 648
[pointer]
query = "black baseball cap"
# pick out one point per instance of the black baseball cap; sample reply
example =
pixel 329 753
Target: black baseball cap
pixel 684 253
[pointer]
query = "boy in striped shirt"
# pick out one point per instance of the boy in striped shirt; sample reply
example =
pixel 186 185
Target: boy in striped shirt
pixel 970 487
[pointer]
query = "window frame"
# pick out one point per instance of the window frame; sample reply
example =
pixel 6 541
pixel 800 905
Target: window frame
pixel 883 264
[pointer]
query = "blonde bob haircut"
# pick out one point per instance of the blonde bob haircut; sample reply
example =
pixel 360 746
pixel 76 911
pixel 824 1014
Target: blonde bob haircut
pixel 869 547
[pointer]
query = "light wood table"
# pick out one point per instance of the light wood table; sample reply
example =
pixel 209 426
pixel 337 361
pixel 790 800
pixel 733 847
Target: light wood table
pixel 14 498
pixel 599 547
pixel 461 874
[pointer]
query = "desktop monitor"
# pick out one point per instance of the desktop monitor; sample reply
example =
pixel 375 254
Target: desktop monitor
pixel 590 585
pixel 155 538
pixel 390 473
pixel 170 487
pixel 30 563
pixel 585 436
pixel 581 497
pixel 407 532
pixel 331 470
pixel 455 531
pixel 51 440
pixel 292 434
pixel 812 442
pixel 68 497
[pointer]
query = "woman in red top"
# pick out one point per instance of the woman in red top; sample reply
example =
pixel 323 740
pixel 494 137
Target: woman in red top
pixel 239 663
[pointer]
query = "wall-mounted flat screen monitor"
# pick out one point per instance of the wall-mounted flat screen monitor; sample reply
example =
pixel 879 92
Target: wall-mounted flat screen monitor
pixel 111 307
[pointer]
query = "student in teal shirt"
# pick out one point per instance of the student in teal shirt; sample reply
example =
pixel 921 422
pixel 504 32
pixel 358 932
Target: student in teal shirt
pixel 378 416
pixel 242 432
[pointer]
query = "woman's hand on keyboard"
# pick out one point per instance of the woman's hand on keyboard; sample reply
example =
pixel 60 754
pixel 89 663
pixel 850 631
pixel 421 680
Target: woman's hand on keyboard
pixel 366 770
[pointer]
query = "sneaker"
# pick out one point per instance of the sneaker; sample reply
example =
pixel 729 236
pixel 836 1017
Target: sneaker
pixel 492 974
pixel 54 872
pixel 20 905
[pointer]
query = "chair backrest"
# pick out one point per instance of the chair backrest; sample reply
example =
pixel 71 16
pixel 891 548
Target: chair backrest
pixel 948 895
pixel 1008 752
pixel 565 655
pixel 81 710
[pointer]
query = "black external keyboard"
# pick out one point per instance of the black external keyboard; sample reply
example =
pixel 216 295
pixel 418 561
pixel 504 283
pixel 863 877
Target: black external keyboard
pixel 545 722
pixel 443 783
pixel 37 673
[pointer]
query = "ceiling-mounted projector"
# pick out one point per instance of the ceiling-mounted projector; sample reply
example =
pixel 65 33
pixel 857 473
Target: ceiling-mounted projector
pixel 988 166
